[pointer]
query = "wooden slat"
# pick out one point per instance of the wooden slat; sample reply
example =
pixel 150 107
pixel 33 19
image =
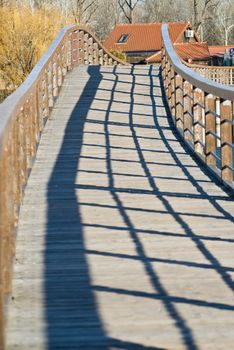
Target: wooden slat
pixel 226 141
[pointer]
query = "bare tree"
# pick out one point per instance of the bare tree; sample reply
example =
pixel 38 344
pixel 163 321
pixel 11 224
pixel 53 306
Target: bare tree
pixel 106 17
pixel 83 10
pixel 225 15
pixel 128 6
pixel 202 10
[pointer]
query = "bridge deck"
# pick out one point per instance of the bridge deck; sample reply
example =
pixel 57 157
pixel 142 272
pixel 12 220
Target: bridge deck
pixel 123 241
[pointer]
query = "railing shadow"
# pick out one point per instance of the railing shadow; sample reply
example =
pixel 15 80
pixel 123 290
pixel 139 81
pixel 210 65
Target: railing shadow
pixel 71 310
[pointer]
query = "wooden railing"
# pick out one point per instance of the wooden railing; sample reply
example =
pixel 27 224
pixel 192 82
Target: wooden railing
pixel 202 111
pixel 22 118
pixel 222 75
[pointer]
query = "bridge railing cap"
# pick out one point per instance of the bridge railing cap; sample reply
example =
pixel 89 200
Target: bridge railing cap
pixel 208 86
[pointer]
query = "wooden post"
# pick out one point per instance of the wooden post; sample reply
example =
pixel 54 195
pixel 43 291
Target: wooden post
pixel 210 121
pixel 46 94
pixel 169 83
pixel 74 49
pixel 198 102
pixel 179 105
pixel 81 47
pixel 101 59
pixel 27 134
pixel 166 77
pixel 105 59
pixel 59 72
pixel 90 51
pixel 86 49
pixel 95 53
pixel 163 65
pixel 68 41
pixel 172 79
pixel 188 118
pixel 2 229
pixel 50 85
pixel 55 77
pixel 226 140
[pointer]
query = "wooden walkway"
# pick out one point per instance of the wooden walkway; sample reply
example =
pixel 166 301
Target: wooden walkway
pixel 124 242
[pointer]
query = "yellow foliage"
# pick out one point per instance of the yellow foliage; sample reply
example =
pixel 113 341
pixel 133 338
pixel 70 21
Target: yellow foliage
pixel 24 37
pixel 119 54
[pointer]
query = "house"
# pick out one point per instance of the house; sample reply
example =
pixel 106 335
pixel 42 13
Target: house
pixel 143 40
pixel 197 52
pixel 217 54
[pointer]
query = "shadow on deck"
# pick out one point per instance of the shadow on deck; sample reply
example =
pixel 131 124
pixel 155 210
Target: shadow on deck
pixel 72 310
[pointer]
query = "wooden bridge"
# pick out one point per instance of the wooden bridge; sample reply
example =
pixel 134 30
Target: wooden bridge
pixel 125 229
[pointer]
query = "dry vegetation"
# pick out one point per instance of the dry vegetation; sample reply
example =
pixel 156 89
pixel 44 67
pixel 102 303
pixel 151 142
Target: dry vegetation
pixel 24 37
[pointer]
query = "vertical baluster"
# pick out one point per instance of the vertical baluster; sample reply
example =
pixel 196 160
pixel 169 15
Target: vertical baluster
pixel 166 76
pixel 198 102
pixel 36 111
pixel 2 262
pixel 95 53
pixel 68 42
pixel 55 77
pixel 50 85
pixel 226 141
pixel 17 168
pixel 210 121
pixel 163 65
pixel 81 47
pixel 63 59
pixel 217 109
pixel 23 153
pixel 40 105
pixel 3 233
pixel 74 40
pixel 173 93
pixel 179 105
pixel 101 54
pixel 188 119
pixel 45 97
pixel 9 202
pixel 86 46
pixel 105 59
pixel 169 84
pixel 59 71
pixel 27 133
pixel 33 128
pixel 90 51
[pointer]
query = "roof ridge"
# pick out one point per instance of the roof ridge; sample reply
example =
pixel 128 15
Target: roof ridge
pixel 192 43
pixel 150 23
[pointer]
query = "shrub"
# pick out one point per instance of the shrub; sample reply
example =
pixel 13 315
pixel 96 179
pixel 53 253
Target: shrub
pixel 119 54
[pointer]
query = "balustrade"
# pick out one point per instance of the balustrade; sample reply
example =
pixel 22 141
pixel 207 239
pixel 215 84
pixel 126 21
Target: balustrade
pixel 202 110
pixel 222 75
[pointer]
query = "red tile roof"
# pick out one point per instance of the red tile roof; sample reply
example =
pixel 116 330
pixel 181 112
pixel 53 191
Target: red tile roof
pixel 195 51
pixel 154 58
pixel 219 50
pixel 143 36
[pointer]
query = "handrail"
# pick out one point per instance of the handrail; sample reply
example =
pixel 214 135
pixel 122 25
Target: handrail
pixel 219 74
pixel 22 118
pixel 202 111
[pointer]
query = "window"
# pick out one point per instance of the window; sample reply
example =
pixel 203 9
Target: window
pixel 123 39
